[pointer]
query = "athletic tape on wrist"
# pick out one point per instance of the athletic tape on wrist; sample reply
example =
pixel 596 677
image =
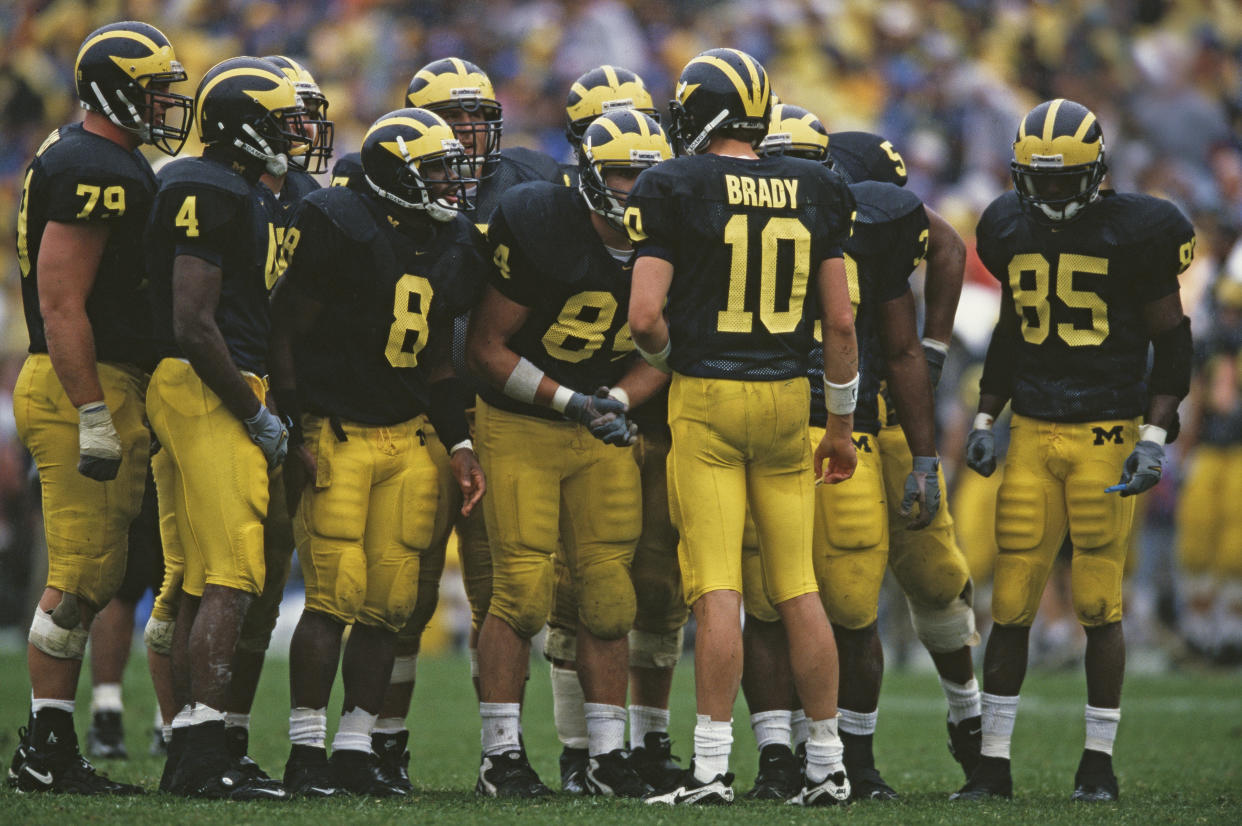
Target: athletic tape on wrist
pixel 523 382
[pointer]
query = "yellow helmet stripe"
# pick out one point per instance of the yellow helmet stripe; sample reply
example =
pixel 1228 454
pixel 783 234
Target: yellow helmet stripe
pixel 611 74
pixel 1050 119
pixel 413 123
pixel 141 38
pixel 612 128
pixel 459 66
pixel 750 102
pixel 1084 126
pixel 643 128
pixel 271 98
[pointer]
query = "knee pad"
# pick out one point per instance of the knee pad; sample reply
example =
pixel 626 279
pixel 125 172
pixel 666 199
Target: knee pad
pixel 561 644
pixel 606 603
pixel 1096 586
pixel 526 609
pixel 404 669
pixel 158 635
pixel 945 629
pixel 55 641
pixel 648 650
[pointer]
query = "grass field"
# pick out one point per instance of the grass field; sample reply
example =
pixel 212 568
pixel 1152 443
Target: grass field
pixel 1179 758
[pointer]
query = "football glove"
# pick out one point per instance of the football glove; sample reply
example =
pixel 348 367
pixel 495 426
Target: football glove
pixel 981 451
pixel 923 487
pixel 99 445
pixel 1142 469
pixel 604 416
pixel 270 434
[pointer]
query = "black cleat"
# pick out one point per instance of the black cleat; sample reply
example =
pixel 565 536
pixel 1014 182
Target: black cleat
pixel 1094 781
pixel 655 763
pixel 780 774
pixel 307 773
pixel 965 741
pixel 48 760
pixel 204 768
pixel 238 740
pixel 230 784
pixel 866 783
pixel 573 764
pixel 176 748
pixel 990 779
pixel 509 775
pixel 613 775
pixel 106 736
pixel 357 772
pixel 690 791
pixel 394 758
pixel 19 754
pixel 833 790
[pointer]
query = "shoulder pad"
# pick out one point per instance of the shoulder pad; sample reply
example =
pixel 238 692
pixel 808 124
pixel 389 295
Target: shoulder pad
pixel 89 157
pixel 538 213
pixel 1144 218
pixel 866 156
pixel 204 174
pixel 347 171
pixel 1000 216
pixel 534 165
pixel 347 211
pixel 880 203
pixel 298 184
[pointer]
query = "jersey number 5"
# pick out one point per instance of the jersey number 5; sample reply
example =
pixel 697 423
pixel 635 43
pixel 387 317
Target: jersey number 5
pixel 1035 308
pixel 735 318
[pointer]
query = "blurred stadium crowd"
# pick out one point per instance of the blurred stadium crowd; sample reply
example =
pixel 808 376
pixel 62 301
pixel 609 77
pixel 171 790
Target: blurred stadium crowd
pixel 945 80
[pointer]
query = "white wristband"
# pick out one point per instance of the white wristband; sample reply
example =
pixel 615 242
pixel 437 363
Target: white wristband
pixel 620 395
pixel 983 421
pixel 464 444
pixel 841 399
pixel 658 360
pixel 938 346
pixel 523 382
pixel 561 398
pixel 1152 433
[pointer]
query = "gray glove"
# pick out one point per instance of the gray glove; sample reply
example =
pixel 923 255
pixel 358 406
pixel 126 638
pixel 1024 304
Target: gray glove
pixel 981 451
pixel 1141 471
pixel 935 364
pixel 99 445
pixel 270 434
pixel 604 416
pixel 923 487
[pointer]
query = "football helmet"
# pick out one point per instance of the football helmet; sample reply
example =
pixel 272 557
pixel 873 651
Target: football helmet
pixel 115 70
pixel 461 93
pixel 719 89
pixel 247 105
pixel 410 157
pixel 601 90
pixel 320 130
pixel 1058 159
pixel 795 131
pixel 623 139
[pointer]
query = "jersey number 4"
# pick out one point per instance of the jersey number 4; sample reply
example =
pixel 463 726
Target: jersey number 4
pixel 1032 282
pixel 735 318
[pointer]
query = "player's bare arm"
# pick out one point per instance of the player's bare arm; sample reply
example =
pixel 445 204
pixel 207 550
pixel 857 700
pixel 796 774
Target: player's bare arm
pixel 946 266
pixel 68 260
pixel 652 279
pixel 840 371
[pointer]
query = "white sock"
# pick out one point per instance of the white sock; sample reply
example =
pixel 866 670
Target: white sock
pixel 308 727
pixel 799 729
pixel 389 725
pixel 184 717
pixel 644 719
pixel 771 728
pixel 205 714
pixel 567 708
pixel 713 740
pixel 1102 728
pixel 474 663
pixel 158 721
pixel 354 732
pixel 857 722
pixel 824 750
pixel 964 701
pixel 502 723
pixel 605 725
pixel 166 733
pixel 999 715
pixel 106 697
pixel 235 720
pixel 37 705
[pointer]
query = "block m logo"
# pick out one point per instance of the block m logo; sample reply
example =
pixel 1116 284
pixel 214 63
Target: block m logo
pixel 863 443
pixel 1112 434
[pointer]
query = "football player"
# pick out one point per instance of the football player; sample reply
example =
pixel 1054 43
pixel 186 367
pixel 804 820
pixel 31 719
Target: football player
pixel 1088 278
pixel 78 401
pixel 730 241
pixel 212 258
pixel 550 322
pixel 656 639
pixel 360 381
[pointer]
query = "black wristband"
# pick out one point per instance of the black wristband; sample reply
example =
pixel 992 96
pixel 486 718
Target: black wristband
pixel 447 411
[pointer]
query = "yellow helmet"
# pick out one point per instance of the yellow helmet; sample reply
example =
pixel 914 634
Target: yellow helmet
pixel 1058 159
pixel 320 131
pixel 601 90
pixel 795 131
pixel 623 139
pixel 409 158
pixel 455 84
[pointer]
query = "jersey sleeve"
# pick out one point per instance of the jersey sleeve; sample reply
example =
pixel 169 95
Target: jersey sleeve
pixel 836 211
pixel 88 194
pixel 315 267
pixel 907 252
pixel 649 218
pixel 199 220
pixel 1167 255
pixel 514 274
pixel 466 288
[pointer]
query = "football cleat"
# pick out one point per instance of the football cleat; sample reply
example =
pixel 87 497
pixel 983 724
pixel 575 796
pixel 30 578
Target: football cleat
pixel 690 791
pixel 394 758
pixel 780 774
pixel 307 773
pixel 833 790
pixel 357 772
pixel 867 784
pixel 230 784
pixel 573 765
pixel 106 736
pixel 48 760
pixel 991 778
pixel 612 775
pixel 965 741
pixel 654 761
pixel 509 775
pixel 1094 781
pixel 238 739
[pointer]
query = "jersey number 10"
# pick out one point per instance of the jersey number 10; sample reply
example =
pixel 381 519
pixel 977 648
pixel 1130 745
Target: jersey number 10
pixel 735 318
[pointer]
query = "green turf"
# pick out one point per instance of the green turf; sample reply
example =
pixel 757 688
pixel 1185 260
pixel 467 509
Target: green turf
pixel 1179 758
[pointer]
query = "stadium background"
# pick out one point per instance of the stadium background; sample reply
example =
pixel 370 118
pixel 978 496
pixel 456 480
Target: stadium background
pixel 946 81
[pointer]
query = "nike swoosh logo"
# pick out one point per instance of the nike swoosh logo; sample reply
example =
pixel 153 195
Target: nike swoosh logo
pixel 43 777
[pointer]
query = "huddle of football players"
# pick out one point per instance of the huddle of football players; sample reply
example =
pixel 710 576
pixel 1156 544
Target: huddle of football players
pixel 684 375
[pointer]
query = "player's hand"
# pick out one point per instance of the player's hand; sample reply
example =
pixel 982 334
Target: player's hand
pixel 1142 469
pixel 99 445
pixel 270 434
pixel 981 451
pixel 469 476
pixel 300 470
pixel 922 487
pixel 604 416
pixel 838 450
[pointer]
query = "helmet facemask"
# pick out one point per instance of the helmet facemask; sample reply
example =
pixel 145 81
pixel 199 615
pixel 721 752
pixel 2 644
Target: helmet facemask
pixel 1055 192
pixel 608 201
pixel 155 115
pixel 318 130
pixel 481 127
pixel 275 137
